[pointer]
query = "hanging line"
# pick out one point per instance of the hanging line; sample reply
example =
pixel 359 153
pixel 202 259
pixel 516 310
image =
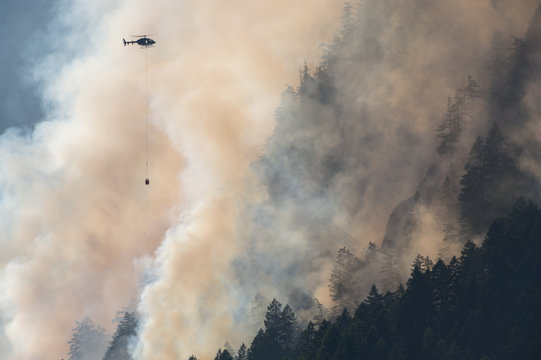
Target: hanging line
pixel 147 180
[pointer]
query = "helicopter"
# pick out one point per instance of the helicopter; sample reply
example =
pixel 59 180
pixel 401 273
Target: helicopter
pixel 143 41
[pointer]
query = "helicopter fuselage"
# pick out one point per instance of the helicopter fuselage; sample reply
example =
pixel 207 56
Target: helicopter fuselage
pixel 143 42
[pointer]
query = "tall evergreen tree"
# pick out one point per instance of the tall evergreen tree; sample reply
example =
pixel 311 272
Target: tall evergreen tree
pixel 491 184
pixel 342 283
pixel 416 308
pixel 259 347
pixel 288 323
pixel 307 345
pixel 242 353
pixel 88 342
pixel 277 340
pixel 223 355
pixel 118 348
pixel 330 343
pixel 389 269
pixel 451 128
pixel 273 320
pixel 374 298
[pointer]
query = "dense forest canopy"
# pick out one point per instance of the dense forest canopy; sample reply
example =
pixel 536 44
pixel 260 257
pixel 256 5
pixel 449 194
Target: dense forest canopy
pixel 481 305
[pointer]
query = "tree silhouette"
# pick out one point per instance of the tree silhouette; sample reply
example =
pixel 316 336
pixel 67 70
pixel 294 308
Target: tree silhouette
pixel 342 282
pixel 89 341
pixel 118 348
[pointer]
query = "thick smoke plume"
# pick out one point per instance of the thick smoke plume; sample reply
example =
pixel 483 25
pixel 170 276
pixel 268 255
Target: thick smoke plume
pixel 229 220
pixel 78 221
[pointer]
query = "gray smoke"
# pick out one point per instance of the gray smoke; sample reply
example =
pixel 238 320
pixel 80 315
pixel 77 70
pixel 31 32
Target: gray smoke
pixel 339 163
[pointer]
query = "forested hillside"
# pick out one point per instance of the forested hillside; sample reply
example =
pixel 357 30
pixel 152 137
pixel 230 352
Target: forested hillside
pixel 479 304
pixel 483 305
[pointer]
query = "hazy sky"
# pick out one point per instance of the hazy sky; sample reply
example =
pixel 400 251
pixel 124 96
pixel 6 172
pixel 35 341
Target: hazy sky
pixel 23 26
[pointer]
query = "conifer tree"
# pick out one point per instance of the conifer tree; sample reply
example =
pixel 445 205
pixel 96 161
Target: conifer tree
pixel 223 355
pixel 288 323
pixel 330 343
pixel 389 269
pixel 491 184
pixel 342 282
pixel 242 353
pixel 497 69
pixel 89 341
pixel 307 345
pixel 374 298
pixel 118 348
pixel 229 348
pixel 259 347
pixel 273 320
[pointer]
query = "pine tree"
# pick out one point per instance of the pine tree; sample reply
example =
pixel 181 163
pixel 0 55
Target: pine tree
pixel 416 309
pixel 374 298
pixel 343 320
pixel 497 65
pixel 449 131
pixel 457 111
pixel 307 346
pixel 389 269
pixel 440 277
pixel 491 184
pixel 89 341
pixel 118 348
pixel 342 282
pixel 517 73
pixel 242 353
pixel 321 312
pixel 330 343
pixel 223 355
pixel 229 348
pixel 288 323
pixel 422 263
pixel 273 320
pixel 278 338
pixel 472 197
pixel 259 347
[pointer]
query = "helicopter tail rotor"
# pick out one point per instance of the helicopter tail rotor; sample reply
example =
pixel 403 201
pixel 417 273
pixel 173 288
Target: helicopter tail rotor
pixel 124 40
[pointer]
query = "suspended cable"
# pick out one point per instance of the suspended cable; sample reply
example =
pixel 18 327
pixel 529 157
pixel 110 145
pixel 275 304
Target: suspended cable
pixel 145 42
pixel 147 180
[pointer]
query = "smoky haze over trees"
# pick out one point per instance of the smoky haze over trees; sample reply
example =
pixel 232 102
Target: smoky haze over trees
pixel 481 305
pixel 317 169
pixel 344 149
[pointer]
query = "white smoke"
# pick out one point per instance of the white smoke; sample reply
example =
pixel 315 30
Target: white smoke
pixel 77 217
